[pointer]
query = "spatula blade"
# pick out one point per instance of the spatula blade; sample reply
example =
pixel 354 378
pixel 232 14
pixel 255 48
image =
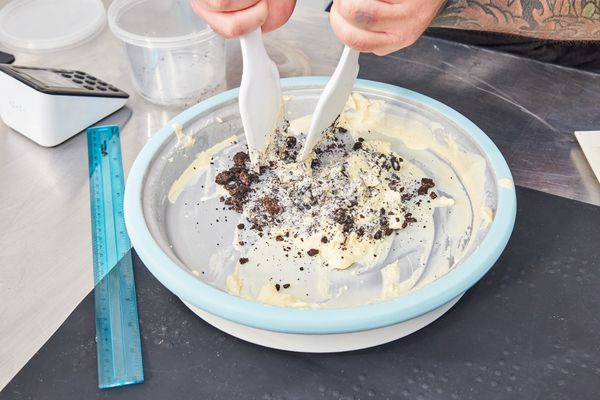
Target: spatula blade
pixel 333 99
pixel 260 99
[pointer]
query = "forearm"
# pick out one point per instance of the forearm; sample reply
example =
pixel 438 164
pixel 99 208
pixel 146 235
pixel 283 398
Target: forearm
pixel 545 19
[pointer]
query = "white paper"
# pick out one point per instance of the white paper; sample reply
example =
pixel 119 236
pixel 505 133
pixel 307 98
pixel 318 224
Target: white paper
pixel 590 144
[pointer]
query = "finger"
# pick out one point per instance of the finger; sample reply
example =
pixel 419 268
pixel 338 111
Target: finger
pixel 279 12
pixel 224 5
pixel 389 16
pixel 235 23
pixel 372 15
pixel 356 38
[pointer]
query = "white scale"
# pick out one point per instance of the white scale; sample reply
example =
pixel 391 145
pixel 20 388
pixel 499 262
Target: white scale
pixel 51 105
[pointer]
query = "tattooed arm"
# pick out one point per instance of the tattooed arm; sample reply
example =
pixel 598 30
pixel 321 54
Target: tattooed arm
pixel 383 26
pixel 544 19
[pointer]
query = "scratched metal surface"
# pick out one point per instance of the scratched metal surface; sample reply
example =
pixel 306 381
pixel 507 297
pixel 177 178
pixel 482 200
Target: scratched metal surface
pixel 529 109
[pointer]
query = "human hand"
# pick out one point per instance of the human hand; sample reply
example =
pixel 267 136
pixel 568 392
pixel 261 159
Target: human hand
pixel 233 18
pixel 379 26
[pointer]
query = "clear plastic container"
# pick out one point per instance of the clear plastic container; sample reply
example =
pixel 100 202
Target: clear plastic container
pixel 175 58
pixel 37 26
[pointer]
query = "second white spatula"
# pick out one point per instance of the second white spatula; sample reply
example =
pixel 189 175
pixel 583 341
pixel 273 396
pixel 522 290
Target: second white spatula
pixel 333 99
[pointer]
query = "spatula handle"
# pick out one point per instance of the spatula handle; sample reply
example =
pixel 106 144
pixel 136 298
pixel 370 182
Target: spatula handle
pixel 253 48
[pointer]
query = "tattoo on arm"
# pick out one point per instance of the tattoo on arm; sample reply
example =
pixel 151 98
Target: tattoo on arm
pixel 545 19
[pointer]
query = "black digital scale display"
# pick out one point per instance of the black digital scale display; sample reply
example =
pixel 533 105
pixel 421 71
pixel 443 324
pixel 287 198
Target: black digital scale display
pixel 62 81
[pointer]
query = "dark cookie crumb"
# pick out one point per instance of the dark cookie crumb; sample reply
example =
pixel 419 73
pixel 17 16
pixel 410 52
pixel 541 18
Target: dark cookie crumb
pixel 426 184
pixel 271 205
pixel 312 252
pixel 243 260
pixel 433 195
pixel 224 177
pixel 241 226
pixel 408 219
pixel 240 159
pixel 290 142
pixel 286 285
pixel 245 178
pixel 277 287
pixel 324 239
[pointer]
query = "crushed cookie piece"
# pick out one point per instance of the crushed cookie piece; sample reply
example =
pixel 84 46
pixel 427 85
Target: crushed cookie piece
pixel 243 260
pixel 240 158
pixel 395 163
pixel 245 178
pixel 290 142
pixel 241 226
pixel 408 219
pixel 237 189
pixel 277 287
pixel 271 205
pixel 279 238
pixel 286 285
pixel 312 252
pixel 341 216
pixel 426 184
pixel 224 177
pixel 324 239
pixel 433 195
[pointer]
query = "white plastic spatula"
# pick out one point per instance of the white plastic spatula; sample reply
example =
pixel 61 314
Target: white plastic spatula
pixel 260 98
pixel 332 100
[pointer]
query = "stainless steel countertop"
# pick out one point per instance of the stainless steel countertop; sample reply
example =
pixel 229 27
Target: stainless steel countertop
pixel 45 243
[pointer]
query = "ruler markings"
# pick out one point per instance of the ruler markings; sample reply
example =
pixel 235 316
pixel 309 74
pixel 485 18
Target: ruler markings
pixel 117 325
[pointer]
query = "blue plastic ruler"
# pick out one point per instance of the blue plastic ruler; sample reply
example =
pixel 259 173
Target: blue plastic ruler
pixel 118 342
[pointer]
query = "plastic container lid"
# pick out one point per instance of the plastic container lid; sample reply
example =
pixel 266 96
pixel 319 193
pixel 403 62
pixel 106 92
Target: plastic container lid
pixel 46 25
pixel 157 23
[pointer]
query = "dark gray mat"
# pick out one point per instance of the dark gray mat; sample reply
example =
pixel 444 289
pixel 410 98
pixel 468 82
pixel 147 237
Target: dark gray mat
pixel 529 330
